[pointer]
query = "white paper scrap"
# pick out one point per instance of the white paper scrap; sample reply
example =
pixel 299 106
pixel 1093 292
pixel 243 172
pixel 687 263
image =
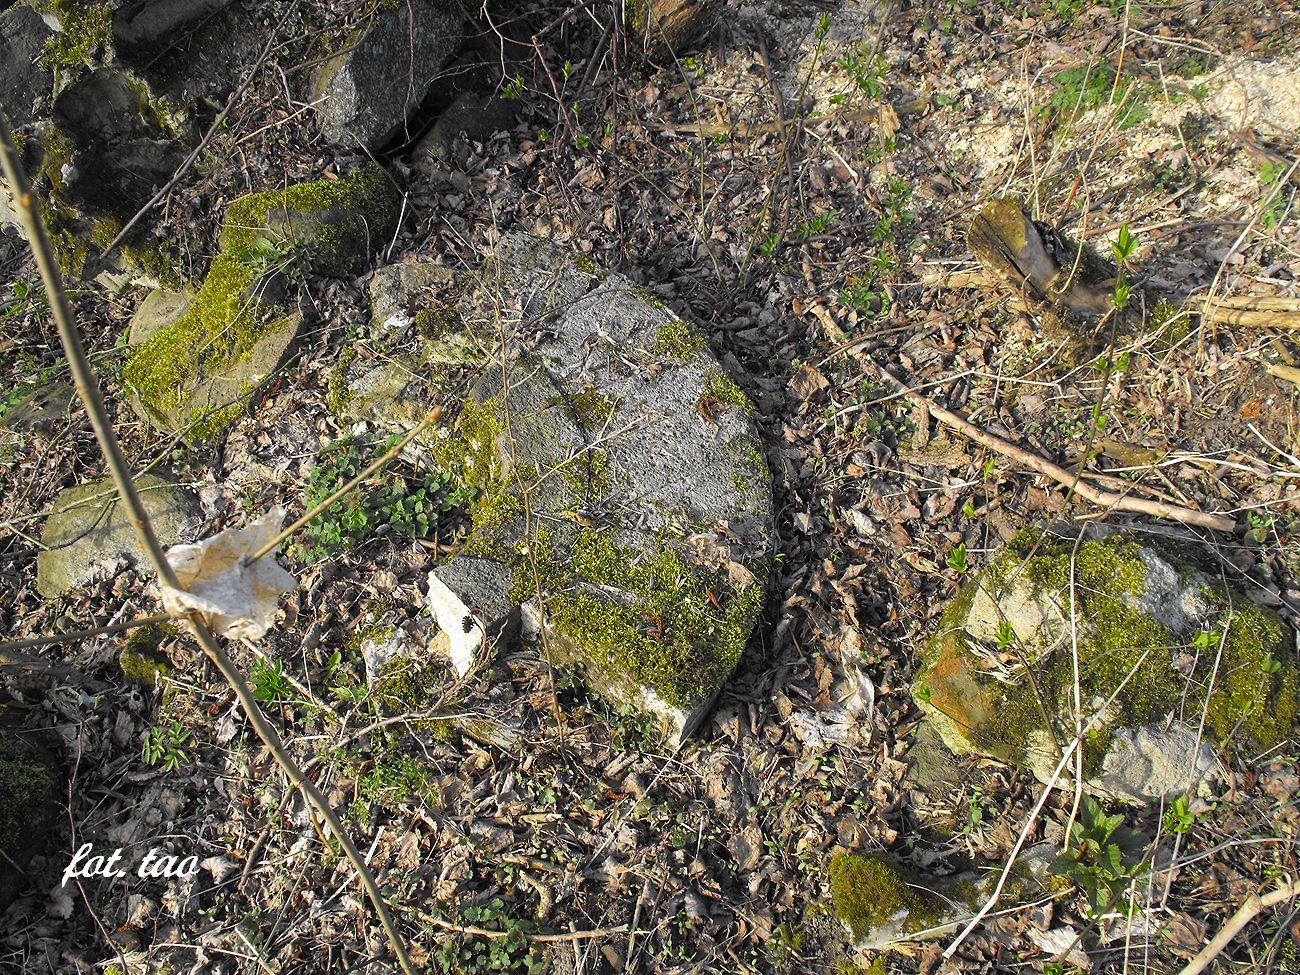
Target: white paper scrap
pixel 237 600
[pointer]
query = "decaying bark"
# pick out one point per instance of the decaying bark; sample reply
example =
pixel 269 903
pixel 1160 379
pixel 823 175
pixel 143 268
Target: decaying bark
pixel 1013 250
pixel 669 27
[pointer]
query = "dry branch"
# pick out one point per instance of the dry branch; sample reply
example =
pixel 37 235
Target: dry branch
pixel 1098 496
pixel 88 390
pixel 1253 905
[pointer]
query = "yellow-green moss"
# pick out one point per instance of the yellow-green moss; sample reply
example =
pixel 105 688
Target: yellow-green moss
pixel 139 658
pixel 670 636
pixel 228 317
pixel 434 323
pixel 592 407
pixel 338 393
pixel 86 31
pixel 677 340
pixel 723 388
pixel 1263 708
pixel 868 893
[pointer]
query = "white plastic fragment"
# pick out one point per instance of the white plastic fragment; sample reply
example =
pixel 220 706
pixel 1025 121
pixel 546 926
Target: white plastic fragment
pixel 237 600
pixel 463 628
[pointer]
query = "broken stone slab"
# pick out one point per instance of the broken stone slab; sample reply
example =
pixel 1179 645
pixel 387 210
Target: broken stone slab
pixel 364 94
pixel 87 531
pixel 161 309
pixel 1152 627
pixel 143 23
pixel 24 77
pixel 418 346
pixel 199 374
pixel 647 535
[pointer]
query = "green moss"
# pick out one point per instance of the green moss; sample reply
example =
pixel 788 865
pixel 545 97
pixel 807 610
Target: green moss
pixel 721 387
pixel 593 408
pixel 140 659
pixel 868 893
pixel 228 317
pixel 26 786
pixel 338 394
pixel 669 635
pixel 1123 646
pixel 86 31
pixel 678 340
pixel 434 323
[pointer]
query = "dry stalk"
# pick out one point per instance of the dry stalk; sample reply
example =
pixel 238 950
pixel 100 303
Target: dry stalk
pixel 1253 905
pixel 1102 498
pixel 88 390
pixel 45 641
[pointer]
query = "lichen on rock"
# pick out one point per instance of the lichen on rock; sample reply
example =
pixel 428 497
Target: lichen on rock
pixel 1158 641
pixel 198 374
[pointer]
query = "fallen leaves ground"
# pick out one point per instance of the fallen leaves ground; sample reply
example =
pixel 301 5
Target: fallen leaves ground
pixel 803 202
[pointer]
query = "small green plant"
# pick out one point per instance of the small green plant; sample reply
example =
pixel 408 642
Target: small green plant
pixel 1103 856
pixel 1272 175
pixel 1179 818
pixel 276 256
pixel 956 559
pixel 470 954
pixel 166 746
pixel 866 68
pixel 513 88
pixel 1123 247
pixel 1006 634
pixel 270 685
pixel 409 506
pixel 1078 90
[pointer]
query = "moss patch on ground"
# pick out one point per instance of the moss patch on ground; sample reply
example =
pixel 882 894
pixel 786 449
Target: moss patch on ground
pixel 868 893
pixel 26 786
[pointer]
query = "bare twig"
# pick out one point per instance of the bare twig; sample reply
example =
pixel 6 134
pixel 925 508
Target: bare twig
pixel 45 641
pixel 88 390
pixel 1104 499
pixel 1253 905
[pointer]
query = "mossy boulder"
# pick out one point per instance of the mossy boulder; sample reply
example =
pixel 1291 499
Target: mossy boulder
pixel 107 146
pixel 620 478
pixel 364 93
pixel 1159 641
pixel 144 23
pixel 161 308
pixel 199 374
pixel 30 785
pixel 87 532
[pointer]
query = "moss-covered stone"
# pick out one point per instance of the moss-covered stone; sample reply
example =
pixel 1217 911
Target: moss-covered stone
pixel 140 659
pixel 871 895
pixel 199 374
pixel 998 676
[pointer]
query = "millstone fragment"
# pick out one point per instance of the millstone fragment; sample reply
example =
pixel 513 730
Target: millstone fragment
pixel 623 491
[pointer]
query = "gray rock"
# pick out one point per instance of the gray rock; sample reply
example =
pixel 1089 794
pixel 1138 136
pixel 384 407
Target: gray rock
pixel 1151 629
pixel 145 22
pixel 365 93
pixel 649 502
pixel 23 33
pixel 87 531
pixel 41 411
pixel 160 309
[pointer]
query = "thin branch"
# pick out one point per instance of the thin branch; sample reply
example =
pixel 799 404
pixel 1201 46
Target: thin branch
pixel 1253 905
pixel 45 641
pixel 1099 497
pixel 88 390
